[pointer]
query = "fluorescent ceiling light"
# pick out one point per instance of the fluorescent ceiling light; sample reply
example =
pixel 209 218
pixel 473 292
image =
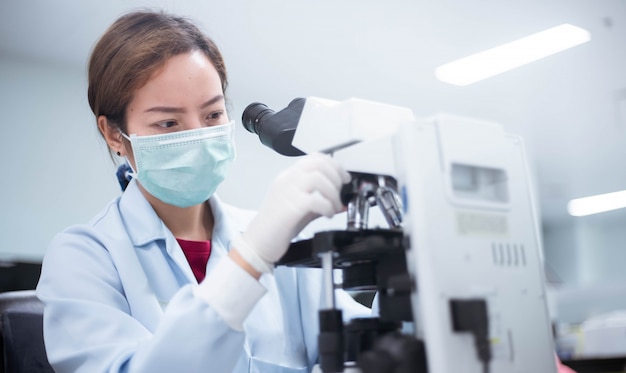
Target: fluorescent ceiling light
pixel 507 57
pixel 596 204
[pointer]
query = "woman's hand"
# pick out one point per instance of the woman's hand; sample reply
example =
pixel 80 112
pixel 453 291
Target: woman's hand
pixel 303 192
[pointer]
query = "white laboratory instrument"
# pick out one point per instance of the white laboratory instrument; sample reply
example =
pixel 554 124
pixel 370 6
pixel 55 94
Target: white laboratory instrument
pixel 461 257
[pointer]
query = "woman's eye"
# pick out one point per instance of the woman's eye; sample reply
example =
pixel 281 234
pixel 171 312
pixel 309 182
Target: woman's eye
pixel 166 124
pixel 215 115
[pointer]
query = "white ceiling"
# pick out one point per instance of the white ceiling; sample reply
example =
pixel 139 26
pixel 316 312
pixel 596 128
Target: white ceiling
pixel 567 107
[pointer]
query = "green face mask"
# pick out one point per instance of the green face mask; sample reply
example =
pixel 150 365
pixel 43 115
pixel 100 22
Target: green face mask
pixel 184 168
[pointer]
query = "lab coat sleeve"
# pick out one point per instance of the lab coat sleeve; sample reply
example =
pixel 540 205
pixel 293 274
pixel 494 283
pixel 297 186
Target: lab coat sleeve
pixel 226 280
pixel 89 327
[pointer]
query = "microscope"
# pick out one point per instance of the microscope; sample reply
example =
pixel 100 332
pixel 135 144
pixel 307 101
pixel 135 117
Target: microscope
pixel 459 259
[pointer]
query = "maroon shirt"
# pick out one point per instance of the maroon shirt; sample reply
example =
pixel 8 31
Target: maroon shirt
pixel 197 254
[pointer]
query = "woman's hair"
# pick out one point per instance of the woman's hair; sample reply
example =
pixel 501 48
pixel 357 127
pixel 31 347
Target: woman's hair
pixel 131 50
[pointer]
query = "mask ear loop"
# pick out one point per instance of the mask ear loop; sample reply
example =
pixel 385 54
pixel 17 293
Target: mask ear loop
pixel 128 172
pixel 232 138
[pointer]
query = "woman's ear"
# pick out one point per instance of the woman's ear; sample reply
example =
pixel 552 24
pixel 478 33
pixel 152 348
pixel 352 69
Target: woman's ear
pixel 112 136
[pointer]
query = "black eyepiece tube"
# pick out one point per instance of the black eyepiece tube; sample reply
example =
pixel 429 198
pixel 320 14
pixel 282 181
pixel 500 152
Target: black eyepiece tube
pixel 253 114
pixel 275 129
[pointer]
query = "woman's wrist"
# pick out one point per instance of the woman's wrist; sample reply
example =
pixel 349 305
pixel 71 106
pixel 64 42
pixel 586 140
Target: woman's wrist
pixel 250 256
pixel 240 261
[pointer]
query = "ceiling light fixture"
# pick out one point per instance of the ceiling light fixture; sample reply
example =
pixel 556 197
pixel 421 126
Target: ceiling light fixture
pixel 596 204
pixel 511 55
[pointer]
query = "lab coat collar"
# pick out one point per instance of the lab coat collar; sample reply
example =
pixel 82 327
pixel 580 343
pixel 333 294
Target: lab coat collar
pixel 142 223
pixel 144 227
pixel 222 231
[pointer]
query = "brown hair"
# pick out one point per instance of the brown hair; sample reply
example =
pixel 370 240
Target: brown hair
pixel 131 50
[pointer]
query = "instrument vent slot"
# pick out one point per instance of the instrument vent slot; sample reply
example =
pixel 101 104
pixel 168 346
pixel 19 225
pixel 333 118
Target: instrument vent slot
pixel 507 254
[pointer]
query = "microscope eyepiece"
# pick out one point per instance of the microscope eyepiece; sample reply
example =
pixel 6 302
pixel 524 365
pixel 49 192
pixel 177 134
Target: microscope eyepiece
pixel 253 115
pixel 275 129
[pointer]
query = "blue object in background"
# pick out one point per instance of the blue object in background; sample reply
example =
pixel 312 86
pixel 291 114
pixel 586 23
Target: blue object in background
pixel 124 175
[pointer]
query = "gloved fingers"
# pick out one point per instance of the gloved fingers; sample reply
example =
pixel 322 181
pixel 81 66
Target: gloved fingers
pixel 320 205
pixel 319 185
pixel 325 164
pixel 316 196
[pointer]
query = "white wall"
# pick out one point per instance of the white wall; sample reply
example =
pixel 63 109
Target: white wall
pixel 588 255
pixel 561 252
pixel 56 170
pixel 602 241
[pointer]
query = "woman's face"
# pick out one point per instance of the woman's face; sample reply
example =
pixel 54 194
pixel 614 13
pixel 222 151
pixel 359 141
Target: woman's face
pixel 185 94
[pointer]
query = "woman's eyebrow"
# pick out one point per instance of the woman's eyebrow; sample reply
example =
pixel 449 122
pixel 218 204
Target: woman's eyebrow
pixel 165 109
pixel 212 101
pixel 179 110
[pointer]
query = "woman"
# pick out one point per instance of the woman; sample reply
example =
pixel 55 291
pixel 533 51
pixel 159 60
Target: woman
pixel 167 277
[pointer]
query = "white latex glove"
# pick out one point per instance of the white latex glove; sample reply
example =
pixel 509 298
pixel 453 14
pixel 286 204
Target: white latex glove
pixel 303 192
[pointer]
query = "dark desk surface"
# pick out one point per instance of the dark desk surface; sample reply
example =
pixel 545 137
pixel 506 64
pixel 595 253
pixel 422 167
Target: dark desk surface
pixel 599 365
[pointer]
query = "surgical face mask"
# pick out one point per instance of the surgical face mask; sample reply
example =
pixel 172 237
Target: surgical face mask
pixel 183 168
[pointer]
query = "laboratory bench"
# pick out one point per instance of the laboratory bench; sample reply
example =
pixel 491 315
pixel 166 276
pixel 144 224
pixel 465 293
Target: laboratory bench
pixel 597 365
pixel 18 275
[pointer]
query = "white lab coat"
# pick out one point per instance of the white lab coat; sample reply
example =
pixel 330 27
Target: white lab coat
pixel 119 297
